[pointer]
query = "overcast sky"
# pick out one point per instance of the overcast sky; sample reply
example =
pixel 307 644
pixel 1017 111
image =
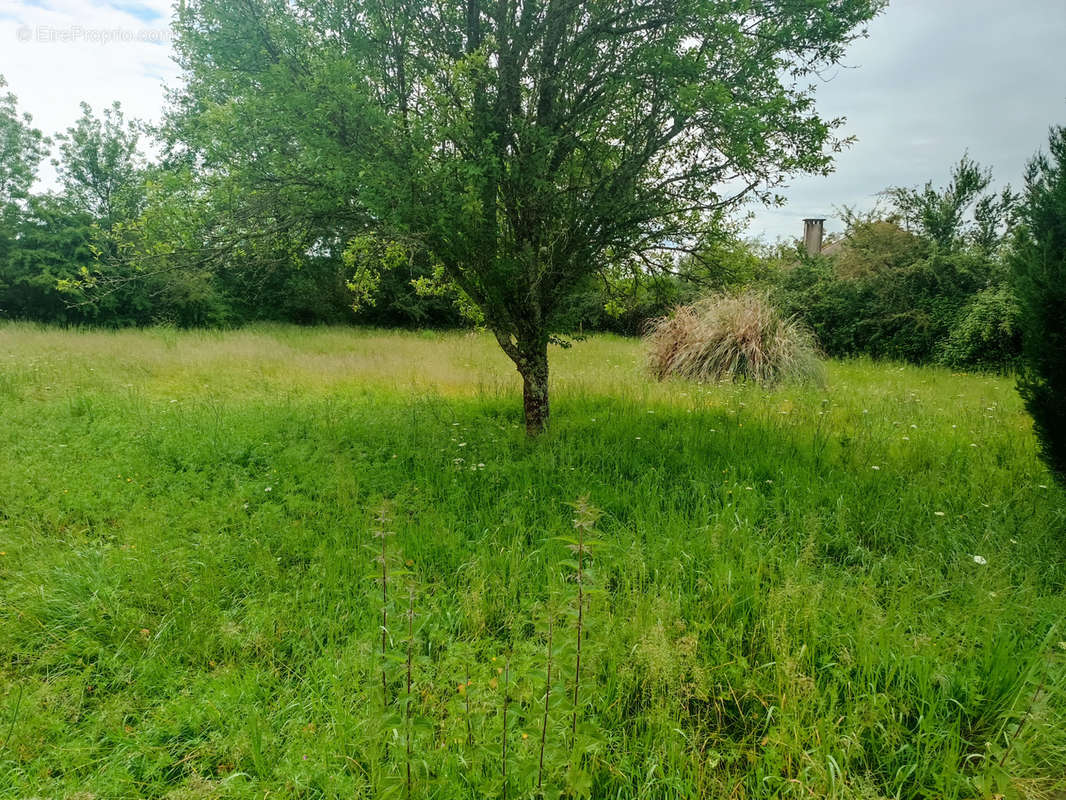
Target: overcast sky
pixel 934 79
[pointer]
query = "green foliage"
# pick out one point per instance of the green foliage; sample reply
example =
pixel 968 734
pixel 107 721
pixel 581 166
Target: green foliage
pixel 365 258
pixel 185 585
pixel 922 282
pixel 940 215
pixel 391 284
pixel 987 334
pixel 99 165
pixel 622 302
pixel 53 245
pixel 919 283
pixel 873 246
pixel 22 147
pixel 901 313
pixel 1039 266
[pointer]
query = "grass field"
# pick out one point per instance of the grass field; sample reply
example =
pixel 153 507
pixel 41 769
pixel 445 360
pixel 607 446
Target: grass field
pixel 852 592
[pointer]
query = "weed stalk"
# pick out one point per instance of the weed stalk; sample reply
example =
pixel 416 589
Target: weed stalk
pixel 382 533
pixel 585 519
pixel 503 747
pixel 466 697
pixel 410 649
pixel 547 695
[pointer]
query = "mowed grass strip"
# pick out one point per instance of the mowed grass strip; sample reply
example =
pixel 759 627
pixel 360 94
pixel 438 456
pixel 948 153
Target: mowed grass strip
pixel 854 591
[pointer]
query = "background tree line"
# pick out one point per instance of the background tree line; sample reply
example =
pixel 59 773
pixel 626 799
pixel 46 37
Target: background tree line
pixel 122 240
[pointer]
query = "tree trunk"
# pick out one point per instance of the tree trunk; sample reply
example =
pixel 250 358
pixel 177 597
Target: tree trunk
pixel 533 367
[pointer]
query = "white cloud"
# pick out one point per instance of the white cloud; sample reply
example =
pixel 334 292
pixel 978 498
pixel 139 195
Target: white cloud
pixel 57 53
pixel 936 78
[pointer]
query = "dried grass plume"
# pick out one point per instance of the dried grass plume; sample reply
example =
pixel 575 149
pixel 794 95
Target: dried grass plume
pixel 733 337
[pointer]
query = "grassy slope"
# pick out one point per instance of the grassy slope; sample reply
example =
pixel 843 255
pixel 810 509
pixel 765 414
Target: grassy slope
pixel 785 597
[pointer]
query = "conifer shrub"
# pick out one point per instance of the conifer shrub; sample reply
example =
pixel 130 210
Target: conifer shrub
pixel 1038 262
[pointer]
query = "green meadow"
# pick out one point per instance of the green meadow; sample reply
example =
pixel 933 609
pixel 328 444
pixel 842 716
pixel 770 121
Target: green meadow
pixel 853 590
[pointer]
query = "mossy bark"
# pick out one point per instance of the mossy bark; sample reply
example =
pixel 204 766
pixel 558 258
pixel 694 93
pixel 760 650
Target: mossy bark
pixel 533 367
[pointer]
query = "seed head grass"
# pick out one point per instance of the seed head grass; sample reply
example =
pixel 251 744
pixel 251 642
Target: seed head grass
pixel 733 337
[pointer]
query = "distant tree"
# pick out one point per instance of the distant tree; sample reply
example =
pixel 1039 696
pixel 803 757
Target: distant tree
pixel 921 280
pixel 522 144
pixel 961 213
pixel 22 147
pixel 1039 267
pixel 100 165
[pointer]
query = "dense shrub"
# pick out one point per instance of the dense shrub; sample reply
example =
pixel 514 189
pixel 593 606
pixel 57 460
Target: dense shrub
pixel 876 246
pixel 49 242
pixel 732 337
pixel 1039 266
pixel 903 312
pixel 987 334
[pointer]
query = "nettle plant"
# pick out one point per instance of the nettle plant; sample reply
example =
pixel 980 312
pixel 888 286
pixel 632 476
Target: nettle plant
pixel 517 722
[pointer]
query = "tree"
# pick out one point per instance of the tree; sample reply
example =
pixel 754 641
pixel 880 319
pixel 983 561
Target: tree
pixel 1038 263
pixel 940 215
pixel 21 149
pixel 522 144
pixel 100 165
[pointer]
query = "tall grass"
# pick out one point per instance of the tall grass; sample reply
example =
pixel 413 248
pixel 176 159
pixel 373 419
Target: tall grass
pixel 849 591
pixel 733 337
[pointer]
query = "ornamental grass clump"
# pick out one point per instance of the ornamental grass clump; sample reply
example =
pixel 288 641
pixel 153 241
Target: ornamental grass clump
pixel 733 337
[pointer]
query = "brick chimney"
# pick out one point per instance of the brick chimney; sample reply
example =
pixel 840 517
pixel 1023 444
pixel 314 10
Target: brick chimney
pixel 813 229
